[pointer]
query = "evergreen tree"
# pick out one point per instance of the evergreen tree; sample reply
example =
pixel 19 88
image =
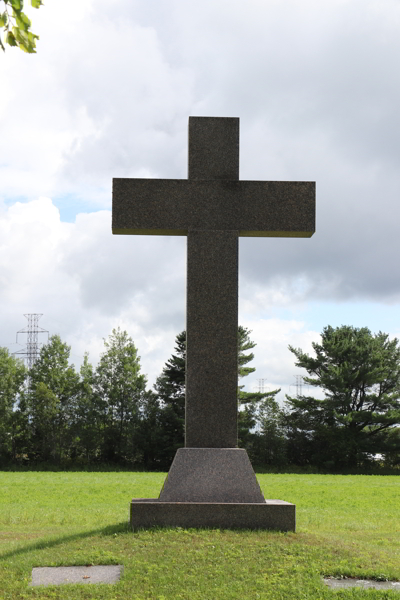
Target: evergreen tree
pixel 360 376
pixel 170 389
pixel 244 344
pixel 249 402
pixel 391 454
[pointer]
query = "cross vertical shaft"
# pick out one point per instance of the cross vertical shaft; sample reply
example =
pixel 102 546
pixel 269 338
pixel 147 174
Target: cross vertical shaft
pixel 211 333
pixel 212 298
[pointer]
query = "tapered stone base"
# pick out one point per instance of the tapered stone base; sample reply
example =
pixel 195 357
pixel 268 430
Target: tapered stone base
pixel 211 475
pixel 212 487
pixel 270 514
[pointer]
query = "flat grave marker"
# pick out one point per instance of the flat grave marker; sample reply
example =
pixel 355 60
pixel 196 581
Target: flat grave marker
pixel 76 574
pixel 366 584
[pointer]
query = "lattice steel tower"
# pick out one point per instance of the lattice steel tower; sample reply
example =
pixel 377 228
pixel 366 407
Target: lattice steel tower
pixel 262 385
pixel 299 385
pixel 31 352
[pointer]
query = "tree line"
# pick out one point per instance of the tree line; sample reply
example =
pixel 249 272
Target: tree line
pixel 54 415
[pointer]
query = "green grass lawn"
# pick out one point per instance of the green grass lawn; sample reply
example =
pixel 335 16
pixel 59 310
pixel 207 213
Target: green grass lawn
pixel 346 526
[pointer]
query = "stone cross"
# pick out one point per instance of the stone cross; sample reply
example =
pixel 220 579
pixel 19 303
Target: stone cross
pixel 212 208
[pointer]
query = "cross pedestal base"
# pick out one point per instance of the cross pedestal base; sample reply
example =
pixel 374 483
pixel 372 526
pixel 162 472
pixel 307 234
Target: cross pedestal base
pixel 271 514
pixel 212 487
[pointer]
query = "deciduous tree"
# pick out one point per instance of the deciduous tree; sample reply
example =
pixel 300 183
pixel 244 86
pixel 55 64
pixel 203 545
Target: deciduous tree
pixel 52 402
pixel 119 387
pixel 17 26
pixel 88 425
pixel 12 377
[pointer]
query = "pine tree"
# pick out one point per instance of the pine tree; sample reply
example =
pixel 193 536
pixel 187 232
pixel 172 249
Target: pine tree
pixel 249 402
pixel 360 376
pixel 170 389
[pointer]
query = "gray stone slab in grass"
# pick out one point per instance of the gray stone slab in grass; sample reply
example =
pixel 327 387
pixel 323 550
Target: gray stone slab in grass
pixel 361 583
pixel 62 575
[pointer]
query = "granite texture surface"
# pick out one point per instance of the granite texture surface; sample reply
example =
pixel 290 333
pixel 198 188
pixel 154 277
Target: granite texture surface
pixel 62 575
pixel 271 514
pixel 175 206
pixel 213 148
pixel 211 475
pixel 211 326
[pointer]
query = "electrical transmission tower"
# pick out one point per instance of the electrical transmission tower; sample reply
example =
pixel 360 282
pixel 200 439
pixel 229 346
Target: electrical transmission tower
pixel 31 352
pixel 262 385
pixel 299 385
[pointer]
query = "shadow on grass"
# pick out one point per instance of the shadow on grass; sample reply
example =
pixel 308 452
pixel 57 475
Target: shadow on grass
pixel 123 527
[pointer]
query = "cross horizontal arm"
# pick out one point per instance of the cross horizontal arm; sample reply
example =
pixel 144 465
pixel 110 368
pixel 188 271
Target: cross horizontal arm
pixel 175 206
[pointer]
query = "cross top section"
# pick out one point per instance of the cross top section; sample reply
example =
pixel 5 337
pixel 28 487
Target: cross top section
pixel 214 149
pixel 213 198
pixel 212 208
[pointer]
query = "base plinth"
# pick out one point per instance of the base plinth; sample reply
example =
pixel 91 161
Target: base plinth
pixel 216 488
pixel 270 514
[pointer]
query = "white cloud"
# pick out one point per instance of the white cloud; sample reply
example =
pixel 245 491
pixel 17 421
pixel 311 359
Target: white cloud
pixel 272 358
pixel 86 281
pixel 109 93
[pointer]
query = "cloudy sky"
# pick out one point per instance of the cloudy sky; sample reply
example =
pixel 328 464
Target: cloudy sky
pixel 317 88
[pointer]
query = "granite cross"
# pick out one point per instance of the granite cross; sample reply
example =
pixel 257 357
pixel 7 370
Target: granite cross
pixel 212 208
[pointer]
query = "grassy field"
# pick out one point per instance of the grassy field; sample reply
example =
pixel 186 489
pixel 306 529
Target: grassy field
pixel 346 526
